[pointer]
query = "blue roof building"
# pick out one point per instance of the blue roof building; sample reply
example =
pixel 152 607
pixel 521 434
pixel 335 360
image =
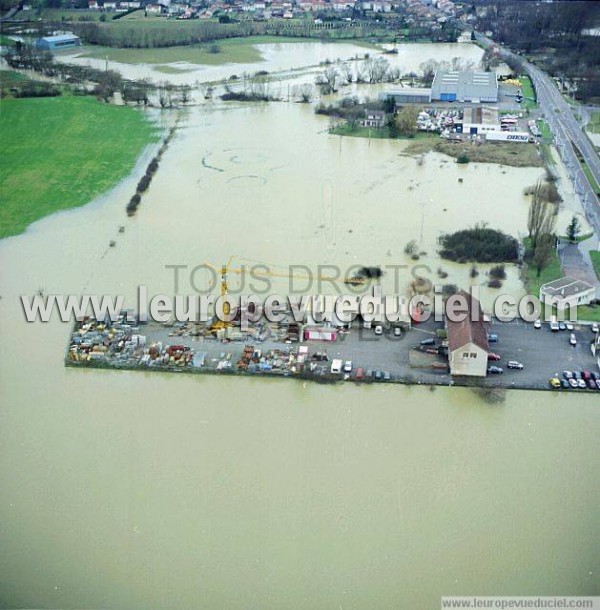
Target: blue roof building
pixel 56 43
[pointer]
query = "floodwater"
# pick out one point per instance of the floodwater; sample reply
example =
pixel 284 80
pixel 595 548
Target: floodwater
pixel 283 57
pixel 134 490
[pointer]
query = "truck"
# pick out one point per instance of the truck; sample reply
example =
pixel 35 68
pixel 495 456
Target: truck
pixel 336 366
pixel 508 136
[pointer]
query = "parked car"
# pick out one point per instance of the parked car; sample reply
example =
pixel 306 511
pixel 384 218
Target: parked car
pixel 569 326
pixel 495 370
pixel 591 384
pixel 379 330
pixel 493 338
pixel 360 373
pixel 369 374
pixel 430 341
pixel 576 375
pixel 537 324
pixel 513 364
pixel 586 375
pixel 595 376
pixel 567 374
pixel 594 327
pixel 378 374
pixel 598 383
pixel 397 331
pixel 573 382
pixel 348 366
pixel 562 326
pixel 387 376
pixel 581 384
pixel 573 339
pixel 492 356
pixel 564 383
pixel 554 382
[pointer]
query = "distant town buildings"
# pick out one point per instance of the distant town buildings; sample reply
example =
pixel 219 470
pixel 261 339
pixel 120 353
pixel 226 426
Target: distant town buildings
pixel 415 13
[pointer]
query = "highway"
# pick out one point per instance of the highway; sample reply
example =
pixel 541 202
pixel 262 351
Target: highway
pixel 566 131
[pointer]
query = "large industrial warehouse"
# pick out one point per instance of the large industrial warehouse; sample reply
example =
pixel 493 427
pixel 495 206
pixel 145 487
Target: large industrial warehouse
pixel 464 86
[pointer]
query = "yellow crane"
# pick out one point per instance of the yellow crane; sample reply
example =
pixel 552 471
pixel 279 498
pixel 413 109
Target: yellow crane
pixel 226 268
pixel 224 289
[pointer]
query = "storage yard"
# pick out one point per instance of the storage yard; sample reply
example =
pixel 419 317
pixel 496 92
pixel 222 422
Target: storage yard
pixel 360 354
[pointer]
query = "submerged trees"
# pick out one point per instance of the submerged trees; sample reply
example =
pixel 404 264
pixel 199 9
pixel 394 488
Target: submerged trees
pixel 328 80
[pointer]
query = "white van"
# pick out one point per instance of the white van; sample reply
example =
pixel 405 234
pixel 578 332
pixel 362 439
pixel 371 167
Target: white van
pixel 336 367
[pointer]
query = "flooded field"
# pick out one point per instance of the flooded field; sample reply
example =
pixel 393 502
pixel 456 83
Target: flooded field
pixel 125 489
pixel 281 57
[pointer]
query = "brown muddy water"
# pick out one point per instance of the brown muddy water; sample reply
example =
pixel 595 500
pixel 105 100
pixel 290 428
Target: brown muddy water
pixel 134 490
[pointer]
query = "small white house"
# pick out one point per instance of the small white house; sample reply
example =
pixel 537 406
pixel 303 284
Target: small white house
pixel 567 292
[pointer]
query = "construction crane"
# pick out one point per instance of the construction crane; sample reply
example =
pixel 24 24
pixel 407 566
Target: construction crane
pixel 221 324
pixel 225 269
pixel 224 288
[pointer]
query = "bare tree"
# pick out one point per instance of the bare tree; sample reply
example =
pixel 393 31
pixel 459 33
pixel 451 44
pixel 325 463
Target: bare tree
pixel 428 69
pixel 306 92
pixel 206 90
pixel 166 94
pixel 185 92
pixel 542 215
pixel 327 80
pixel 360 74
pixel 347 72
pixel 377 69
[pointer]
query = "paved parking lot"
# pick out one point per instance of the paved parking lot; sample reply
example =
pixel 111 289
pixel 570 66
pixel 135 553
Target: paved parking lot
pixel 544 353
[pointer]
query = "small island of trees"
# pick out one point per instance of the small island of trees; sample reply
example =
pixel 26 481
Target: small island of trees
pixel 480 244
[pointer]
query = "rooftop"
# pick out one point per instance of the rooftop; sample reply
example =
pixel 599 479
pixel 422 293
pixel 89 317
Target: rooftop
pixel 565 287
pixel 60 38
pixel 473 329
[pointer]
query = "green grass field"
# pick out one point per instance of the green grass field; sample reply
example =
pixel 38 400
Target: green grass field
pixel 60 153
pixel 595 256
pixel 65 14
pixel 594 125
pixel 552 272
pixel 528 93
pixel 590 177
pixel 544 130
pixel 231 50
pixel 10 78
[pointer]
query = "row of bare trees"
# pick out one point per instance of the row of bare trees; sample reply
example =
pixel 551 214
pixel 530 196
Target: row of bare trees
pixel 371 70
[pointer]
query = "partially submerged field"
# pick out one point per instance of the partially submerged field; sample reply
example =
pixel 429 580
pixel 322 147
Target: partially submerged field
pixel 230 50
pixel 60 153
pixel 504 153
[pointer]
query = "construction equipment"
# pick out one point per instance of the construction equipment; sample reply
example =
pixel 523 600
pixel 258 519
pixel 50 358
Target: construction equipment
pixel 221 324
pixel 226 269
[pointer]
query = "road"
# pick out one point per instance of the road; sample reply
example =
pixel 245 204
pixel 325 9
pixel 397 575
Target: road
pixel 566 131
